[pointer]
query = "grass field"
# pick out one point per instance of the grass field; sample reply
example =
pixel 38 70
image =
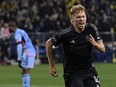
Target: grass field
pixel 10 76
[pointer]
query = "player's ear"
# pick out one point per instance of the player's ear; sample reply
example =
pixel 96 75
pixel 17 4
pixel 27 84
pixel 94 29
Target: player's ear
pixel 72 21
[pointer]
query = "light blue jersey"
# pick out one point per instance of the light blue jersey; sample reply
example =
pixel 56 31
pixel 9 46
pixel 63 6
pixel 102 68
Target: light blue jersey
pixel 25 49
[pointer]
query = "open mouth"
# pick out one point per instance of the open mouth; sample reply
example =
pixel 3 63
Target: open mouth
pixel 81 24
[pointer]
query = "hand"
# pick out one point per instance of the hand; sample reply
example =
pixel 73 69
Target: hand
pixel 19 64
pixel 92 40
pixel 53 72
pixel 98 45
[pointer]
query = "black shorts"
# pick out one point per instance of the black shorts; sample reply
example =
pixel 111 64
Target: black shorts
pixel 90 79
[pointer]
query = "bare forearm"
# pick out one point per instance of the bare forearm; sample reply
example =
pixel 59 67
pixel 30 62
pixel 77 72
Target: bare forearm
pixel 100 46
pixel 49 53
pixel 50 58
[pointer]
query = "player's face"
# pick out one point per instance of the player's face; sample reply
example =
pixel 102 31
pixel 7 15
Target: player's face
pixel 11 29
pixel 79 19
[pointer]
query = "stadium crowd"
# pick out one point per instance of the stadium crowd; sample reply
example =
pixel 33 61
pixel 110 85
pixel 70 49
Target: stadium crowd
pixel 49 16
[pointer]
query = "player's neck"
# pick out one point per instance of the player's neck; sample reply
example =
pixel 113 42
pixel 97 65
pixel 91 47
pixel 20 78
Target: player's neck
pixel 77 29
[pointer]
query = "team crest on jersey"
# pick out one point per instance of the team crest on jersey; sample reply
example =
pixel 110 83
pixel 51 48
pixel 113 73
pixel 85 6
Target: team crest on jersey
pixel 87 37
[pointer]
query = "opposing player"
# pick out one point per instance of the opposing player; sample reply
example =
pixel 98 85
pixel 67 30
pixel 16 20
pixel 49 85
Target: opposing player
pixel 25 51
pixel 78 41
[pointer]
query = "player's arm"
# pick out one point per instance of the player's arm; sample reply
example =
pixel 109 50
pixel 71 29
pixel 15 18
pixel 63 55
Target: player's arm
pixel 95 39
pixel 19 50
pixel 19 53
pixel 98 45
pixel 55 40
pixel 50 57
pixel 18 38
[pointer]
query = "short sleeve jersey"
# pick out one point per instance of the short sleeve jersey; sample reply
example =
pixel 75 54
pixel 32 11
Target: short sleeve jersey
pixel 76 46
pixel 21 36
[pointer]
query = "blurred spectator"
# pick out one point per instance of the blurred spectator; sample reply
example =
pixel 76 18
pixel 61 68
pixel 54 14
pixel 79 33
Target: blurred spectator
pixel 12 50
pixel 4 50
pixel 51 15
pixel 5 31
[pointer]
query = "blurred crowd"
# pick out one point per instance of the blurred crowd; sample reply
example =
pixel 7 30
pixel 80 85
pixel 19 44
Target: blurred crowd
pixel 49 16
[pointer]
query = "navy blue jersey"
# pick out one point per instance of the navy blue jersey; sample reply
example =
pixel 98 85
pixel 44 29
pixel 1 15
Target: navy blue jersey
pixel 77 48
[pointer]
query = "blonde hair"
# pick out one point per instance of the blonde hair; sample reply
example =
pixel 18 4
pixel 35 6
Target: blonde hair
pixel 76 8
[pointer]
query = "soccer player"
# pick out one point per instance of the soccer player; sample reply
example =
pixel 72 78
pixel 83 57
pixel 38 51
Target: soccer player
pixel 25 51
pixel 78 41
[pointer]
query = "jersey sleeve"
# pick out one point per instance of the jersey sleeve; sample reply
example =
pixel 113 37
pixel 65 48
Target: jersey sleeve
pixel 18 37
pixel 57 38
pixel 95 33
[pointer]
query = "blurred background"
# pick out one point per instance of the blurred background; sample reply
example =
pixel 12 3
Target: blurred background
pixel 42 18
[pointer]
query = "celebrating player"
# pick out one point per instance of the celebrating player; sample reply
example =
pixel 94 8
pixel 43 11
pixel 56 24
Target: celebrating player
pixel 25 51
pixel 78 41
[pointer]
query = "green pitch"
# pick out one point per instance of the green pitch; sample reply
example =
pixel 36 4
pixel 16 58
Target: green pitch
pixel 10 76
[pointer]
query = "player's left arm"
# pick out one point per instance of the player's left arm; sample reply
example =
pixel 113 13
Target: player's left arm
pixel 97 44
pixel 95 39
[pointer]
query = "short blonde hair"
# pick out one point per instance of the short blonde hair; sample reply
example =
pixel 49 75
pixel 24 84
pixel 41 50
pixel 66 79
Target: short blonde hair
pixel 76 8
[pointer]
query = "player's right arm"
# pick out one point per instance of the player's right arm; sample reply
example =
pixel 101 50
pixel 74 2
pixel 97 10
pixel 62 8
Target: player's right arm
pixel 19 51
pixel 55 40
pixel 49 51
pixel 18 38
